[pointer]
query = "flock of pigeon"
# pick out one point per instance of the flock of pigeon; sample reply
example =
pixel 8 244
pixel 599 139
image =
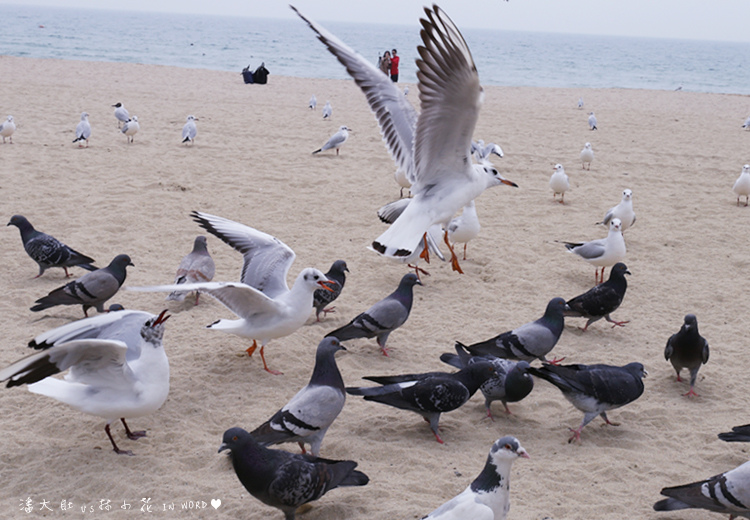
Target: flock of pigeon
pixel 117 368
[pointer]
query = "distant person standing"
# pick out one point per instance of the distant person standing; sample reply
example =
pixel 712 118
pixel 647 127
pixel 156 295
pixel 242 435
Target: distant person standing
pixel 385 63
pixel 394 67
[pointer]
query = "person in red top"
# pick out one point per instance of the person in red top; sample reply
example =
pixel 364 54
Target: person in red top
pixel 394 66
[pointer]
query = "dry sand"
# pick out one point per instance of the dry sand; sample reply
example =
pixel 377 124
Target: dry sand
pixel 679 152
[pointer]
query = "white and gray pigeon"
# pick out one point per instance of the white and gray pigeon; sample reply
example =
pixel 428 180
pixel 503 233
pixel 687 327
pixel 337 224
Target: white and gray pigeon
pixel 533 340
pixel 687 349
pixel 510 384
pixel 285 480
pixel 428 394
pixel 601 300
pixel 603 252
pixel 741 186
pixel 7 128
pixel 336 141
pixel 117 367
pixel 592 121
pixel 130 128
pixel 195 267
pixel 327 110
pixel 121 114
pixel 623 211
pixel 83 130
pixel 738 434
pixel 382 318
pixel 47 251
pixel 322 297
pixel 727 493
pixel 305 419
pixel 189 130
pixel 313 102
pixel 90 290
pixel 488 496
pixel 594 389
pixel 587 156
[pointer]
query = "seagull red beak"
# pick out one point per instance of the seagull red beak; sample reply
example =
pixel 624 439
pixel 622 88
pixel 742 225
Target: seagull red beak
pixel 509 183
pixel 327 285
pixel 162 317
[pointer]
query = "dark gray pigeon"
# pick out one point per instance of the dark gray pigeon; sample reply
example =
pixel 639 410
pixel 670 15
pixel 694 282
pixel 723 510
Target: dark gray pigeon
pixel 195 267
pixel 382 318
pixel 602 300
pixel 738 434
pixel 285 480
pixel 530 341
pixel 510 384
pixel 594 389
pixel 308 415
pixel 46 250
pixel 727 493
pixel 90 290
pixel 428 394
pixel 322 297
pixel 687 349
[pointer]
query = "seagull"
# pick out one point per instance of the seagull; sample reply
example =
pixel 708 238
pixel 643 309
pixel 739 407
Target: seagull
pixel 189 131
pixel 406 90
pixel 83 130
pixel 284 480
pixel 465 227
pixel 327 110
pixel 580 103
pixel 602 300
pixel 115 377
pixel 130 128
pixel 559 183
pixel 313 102
pixel 308 415
pixel 434 147
pixel 482 152
pixel 687 349
pixel 592 121
pixel 323 297
pixel 488 496
pixel 623 211
pixel 336 141
pixel 742 185
pixel 197 266
pixel 121 114
pixel 603 252
pixel 267 309
pixel 402 181
pixel 47 251
pixel 587 155
pixel 7 128
pixel 746 126
pixel 738 434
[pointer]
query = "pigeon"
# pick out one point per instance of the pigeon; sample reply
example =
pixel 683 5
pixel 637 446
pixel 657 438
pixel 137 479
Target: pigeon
pixel 327 110
pixel 510 384
pixel 559 183
pixel 594 389
pixel 587 155
pixel 130 128
pixel 336 141
pixel 727 493
pixel 47 251
pixel 465 227
pixel 580 103
pixel 382 318
pixel 746 124
pixel 482 152
pixel 121 113
pixel 687 349
pixel 308 415
pixel 738 434
pixel 7 128
pixel 197 266
pixel 428 394
pixel 120 377
pixel 488 497
pixel 91 289
pixel 323 297
pixel 592 121
pixel 603 252
pixel 284 480
pixel 189 131
pixel 313 102
pixel 623 211
pixel 742 185
pixel 267 309
pixel 83 130
pixel 533 340
pixel 602 300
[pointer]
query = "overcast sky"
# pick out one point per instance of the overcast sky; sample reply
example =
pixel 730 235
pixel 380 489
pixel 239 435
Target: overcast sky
pixel 686 19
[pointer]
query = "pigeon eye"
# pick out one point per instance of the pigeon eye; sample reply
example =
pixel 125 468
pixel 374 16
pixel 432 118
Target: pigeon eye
pixel 234 438
pixel 507 447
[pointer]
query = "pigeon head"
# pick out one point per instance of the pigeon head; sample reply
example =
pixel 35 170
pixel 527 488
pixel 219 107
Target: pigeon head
pixel 409 280
pixel 620 269
pixel 118 267
pixel 21 223
pixel 493 176
pixel 691 324
pixel 234 438
pixel 116 307
pixel 637 369
pixel 555 308
pixel 496 470
pixel 153 330
pixel 507 448
pixel 518 382
pixel 200 243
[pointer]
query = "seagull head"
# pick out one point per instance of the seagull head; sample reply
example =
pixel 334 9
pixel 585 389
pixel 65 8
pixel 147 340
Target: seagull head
pixel 314 279
pixel 559 168
pixel 84 116
pixel 494 177
pixel 117 105
pixel 627 195
pixel 615 224
pixel 745 169
pixel 10 119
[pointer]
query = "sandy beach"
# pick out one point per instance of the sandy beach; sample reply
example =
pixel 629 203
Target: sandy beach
pixel 251 162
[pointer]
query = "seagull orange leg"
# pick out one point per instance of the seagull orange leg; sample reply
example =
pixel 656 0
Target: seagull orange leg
pixel 265 366
pixel 454 258
pixel 251 350
pixel 425 254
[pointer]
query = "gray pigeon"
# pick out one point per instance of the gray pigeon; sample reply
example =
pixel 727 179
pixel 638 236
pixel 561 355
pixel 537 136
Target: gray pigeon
pixel 428 394
pixel 322 297
pixel 738 434
pixel 488 497
pixel 284 480
pixel 530 341
pixel 510 384
pixel 687 349
pixel 727 493
pixel 90 290
pixel 594 389
pixel 308 415
pixel 47 251
pixel 601 300
pixel 197 266
pixel 382 318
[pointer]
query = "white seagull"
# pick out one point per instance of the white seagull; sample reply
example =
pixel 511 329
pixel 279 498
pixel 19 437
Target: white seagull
pixel 742 185
pixel 746 126
pixel 189 131
pixel 83 130
pixel 118 368
pixel 623 211
pixel 587 155
pixel 482 152
pixel 313 102
pixel 327 110
pixel 434 147
pixel 465 227
pixel 266 307
pixel 121 113
pixel 559 183
pixel 7 128
pixel 130 128
pixel 580 103
pixel 336 141
pixel 604 252
pixel 592 121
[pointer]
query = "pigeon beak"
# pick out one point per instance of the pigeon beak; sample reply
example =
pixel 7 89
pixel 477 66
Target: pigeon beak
pixel 131 264
pixel 222 447
pixel 645 372
pixel 522 453
pixel 326 285
pixel 509 183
